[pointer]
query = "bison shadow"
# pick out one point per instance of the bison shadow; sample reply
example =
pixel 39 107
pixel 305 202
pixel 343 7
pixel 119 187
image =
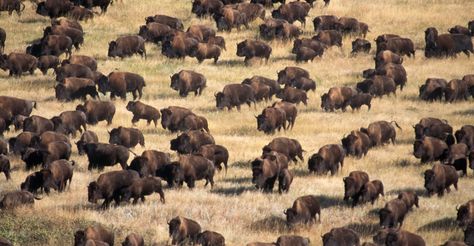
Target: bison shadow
pixel 310 110
pixel 331 201
pixel 33 20
pixel 241 164
pixel 419 192
pixel 374 212
pixel 231 63
pixel 363 229
pixel 404 163
pixel 232 191
pixel 237 180
pixel 302 173
pixel 270 224
pixel 463 112
pixel 439 225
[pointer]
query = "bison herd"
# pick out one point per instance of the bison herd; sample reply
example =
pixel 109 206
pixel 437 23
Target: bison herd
pixel 45 144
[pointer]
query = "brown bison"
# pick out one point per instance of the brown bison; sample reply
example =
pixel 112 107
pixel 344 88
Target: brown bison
pixel 234 95
pixel 304 211
pixel 289 74
pixel 187 81
pixel 290 148
pixel 127 46
pixel 465 213
pixel 101 155
pixel 86 137
pixel 371 191
pixel 446 44
pixel 327 159
pixel 192 168
pixel 133 239
pixel 210 238
pixel 410 198
pixel 179 45
pixel 360 99
pixel 400 46
pixel 155 32
pixel 291 12
pixel 5 166
pixel 142 187
pixel 292 240
pixel 87 61
pixel 97 233
pixel 172 22
pixel 253 48
pixel 128 137
pixel 271 119
pixel 393 213
pixel 325 22
pixel 16 106
pixel 293 95
pixel 20 143
pixel 357 143
pixel 385 57
pixel 73 70
pixel 285 178
pixel 458 157
pixel 401 237
pixel 216 153
pixel 377 85
pixel 440 178
pixel 47 62
pixel 119 83
pixel 290 110
pixel 37 124
pixel 340 236
pixel 69 122
pixel 173 116
pixel 465 135
pixel 183 230
pixel 73 88
pixel 191 141
pixel 265 172
pixel 261 91
pixel 55 176
pixel 381 132
pixel 337 98
pixel 143 111
pixel 430 149
pixel 329 38
pixel 206 51
pixel 353 185
pixel 97 111
pixel 433 89
pixel 108 186
pixel 456 90
pixel 360 45
pixel 18 63
pixel 229 18
pixel 14 199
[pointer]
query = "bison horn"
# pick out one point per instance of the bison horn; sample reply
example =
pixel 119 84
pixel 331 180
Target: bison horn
pixel 457 207
pixel 284 211
pixel 215 94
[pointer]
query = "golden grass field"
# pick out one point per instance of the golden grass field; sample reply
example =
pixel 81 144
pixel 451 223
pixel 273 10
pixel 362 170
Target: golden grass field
pixel 234 207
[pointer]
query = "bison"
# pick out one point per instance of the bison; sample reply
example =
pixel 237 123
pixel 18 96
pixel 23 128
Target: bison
pixel 440 178
pixel 253 48
pixel 128 137
pixel 182 230
pixel 234 95
pixel 108 186
pixel 127 46
pixel 327 159
pixel 353 185
pixel 304 210
pixel 187 81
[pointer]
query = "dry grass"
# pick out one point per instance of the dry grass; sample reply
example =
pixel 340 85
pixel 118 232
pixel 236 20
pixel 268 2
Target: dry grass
pixel 234 208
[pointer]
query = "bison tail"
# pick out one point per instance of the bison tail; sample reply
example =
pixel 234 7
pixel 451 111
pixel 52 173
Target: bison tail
pixel 135 154
pixel 396 124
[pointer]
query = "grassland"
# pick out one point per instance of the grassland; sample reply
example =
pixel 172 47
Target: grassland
pixel 234 208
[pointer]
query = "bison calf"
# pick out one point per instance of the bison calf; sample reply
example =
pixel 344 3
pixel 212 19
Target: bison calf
pixel 141 188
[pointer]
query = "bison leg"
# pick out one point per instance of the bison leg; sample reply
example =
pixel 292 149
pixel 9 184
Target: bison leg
pixel 134 93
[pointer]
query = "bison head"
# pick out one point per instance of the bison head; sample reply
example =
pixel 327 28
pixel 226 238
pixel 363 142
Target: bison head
pixel 131 106
pixel 93 192
pixel 182 144
pixel 256 169
pixel 32 157
pixel 221 100
pixel 348 144
pixel 418 149
pixel 143 32
pixel 165 118
pixel 61 93
pixel 385 217
pixel 296 45
pixel 292 217
pixel 173 227
pixel 140 165
pixel 469 234
pixel 392 238
pixel 197 8
pixel 175 81
pixel 242 49
pixel 32 182
pixel 431 36
pixel 41 9
pixel 326 102
pixel 104 85
pixel 4 62
pixel 430 181
pixel 80 146
pixel 317 164
pixel 47 31
pixel 463 215
pixel 262 123
pixel 380 237
pixel 48 180
pixel 112 49
pixel 114 136
pixel 349 188
pixel 459 134
pixel 80 238
pixel 419 131
pixel 368 73
pixel 276 14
